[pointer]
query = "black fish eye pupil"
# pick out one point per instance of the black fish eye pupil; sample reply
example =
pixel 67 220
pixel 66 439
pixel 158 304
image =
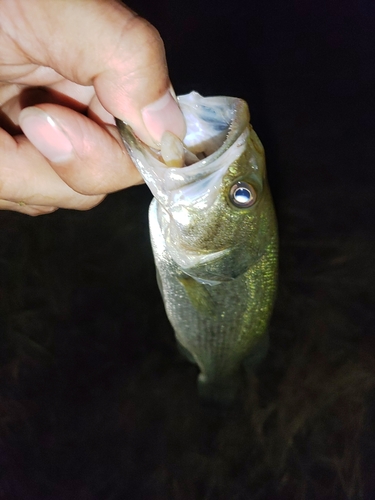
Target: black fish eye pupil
pixel 242 195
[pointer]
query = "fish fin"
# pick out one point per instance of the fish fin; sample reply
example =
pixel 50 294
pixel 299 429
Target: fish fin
pixel 259 352
pixel 221 394
pixel 198 295
pixel 185 352
pixel 159 282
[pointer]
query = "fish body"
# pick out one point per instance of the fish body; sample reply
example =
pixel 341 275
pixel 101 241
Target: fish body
pixel 214 238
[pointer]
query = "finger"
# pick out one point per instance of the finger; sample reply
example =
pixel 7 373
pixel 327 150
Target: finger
pixel 86 156
pixel 109 47
pixel 22 208
pixel 65 93
pixel 84 95
pixel 27 179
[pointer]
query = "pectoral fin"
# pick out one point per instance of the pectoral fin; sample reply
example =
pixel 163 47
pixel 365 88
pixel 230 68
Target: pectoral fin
pixel 198 295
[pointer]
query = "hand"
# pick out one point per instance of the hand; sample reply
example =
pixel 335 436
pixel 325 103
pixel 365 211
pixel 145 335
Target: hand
pixel 66 67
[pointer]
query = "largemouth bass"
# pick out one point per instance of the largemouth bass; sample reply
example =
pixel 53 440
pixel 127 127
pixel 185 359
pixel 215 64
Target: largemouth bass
pixel 214 238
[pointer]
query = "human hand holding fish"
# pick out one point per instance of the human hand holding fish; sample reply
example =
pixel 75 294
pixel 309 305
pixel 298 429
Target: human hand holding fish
pixel 66 67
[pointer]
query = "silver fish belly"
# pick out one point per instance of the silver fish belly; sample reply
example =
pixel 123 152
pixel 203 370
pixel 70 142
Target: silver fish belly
pixel 214 239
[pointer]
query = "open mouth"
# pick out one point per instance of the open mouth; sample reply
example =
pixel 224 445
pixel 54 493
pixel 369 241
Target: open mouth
pixel 214 125
pixel 210 125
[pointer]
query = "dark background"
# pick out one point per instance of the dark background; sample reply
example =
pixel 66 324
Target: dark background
pixel 95 401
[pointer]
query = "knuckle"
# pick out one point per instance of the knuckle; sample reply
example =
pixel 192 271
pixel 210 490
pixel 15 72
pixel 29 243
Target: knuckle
pixel 145 45
pixel 88 202
pixel 146 33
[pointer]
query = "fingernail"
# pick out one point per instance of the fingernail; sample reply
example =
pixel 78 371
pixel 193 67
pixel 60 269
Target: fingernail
pixel 164 115
pixel 46 135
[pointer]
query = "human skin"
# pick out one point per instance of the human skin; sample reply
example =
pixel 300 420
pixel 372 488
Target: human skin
pixel 66 68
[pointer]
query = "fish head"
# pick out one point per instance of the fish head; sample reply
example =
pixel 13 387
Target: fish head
pixel 212 213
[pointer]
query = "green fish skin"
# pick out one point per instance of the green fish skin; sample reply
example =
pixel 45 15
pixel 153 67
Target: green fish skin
pixel 214 237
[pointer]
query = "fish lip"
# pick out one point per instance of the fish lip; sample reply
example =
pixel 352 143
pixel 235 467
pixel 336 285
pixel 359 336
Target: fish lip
pixel 165 182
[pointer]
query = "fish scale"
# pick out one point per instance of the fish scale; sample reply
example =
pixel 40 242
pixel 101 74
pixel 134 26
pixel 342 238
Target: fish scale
pixel 215 250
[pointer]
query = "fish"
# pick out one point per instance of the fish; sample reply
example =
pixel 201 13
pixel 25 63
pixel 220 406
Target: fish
pixel 214 237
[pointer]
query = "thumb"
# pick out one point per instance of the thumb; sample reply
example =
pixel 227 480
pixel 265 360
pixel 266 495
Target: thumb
pixel 105 44
pixel 135 86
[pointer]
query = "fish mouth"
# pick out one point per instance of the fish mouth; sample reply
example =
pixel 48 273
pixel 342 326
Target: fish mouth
pixel 214 125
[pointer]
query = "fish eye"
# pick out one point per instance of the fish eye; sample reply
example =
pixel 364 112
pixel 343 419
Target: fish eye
pixel 242 195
